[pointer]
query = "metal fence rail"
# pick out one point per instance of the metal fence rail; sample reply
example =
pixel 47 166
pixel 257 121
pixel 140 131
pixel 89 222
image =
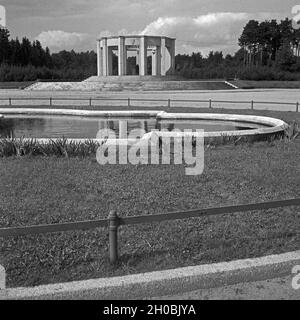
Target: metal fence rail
pixel 114 221
pixel 165 102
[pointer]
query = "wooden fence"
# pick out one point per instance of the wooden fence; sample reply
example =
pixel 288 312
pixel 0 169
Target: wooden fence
pixel 113 222
pixel 127 102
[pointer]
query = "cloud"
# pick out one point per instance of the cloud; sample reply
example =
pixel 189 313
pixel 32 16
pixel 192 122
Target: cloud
pixel 213 31
pixel 2 16
pixel 58 40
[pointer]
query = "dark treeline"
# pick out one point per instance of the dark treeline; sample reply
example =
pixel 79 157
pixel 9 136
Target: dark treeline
pixel 28 61
pixel 269 50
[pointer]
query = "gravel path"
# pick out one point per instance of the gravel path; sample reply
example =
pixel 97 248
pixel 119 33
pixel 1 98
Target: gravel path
pixel 274 289
pixel 262 95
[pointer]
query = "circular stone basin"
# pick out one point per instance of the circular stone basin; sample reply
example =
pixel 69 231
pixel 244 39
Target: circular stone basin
pixel 84 124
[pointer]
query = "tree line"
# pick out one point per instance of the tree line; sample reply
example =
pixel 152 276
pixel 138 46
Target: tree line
pixel 28 61
pixel 264 42
pixel 269 50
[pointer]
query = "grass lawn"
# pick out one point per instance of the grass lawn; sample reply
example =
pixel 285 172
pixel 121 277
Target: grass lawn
pixel 36 190
pixel 264 84
pixel 15 84
pixel 242 84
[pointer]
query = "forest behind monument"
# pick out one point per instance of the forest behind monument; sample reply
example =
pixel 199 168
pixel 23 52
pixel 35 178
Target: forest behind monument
pixel 269 50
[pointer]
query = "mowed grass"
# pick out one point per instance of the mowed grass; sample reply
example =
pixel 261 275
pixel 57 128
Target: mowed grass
pixel 38 190
pixel 15 84
pixel 266 84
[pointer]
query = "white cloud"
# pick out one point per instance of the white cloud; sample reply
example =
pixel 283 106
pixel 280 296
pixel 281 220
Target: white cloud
pixel 213 31
pixel 58 40
pixel 2 16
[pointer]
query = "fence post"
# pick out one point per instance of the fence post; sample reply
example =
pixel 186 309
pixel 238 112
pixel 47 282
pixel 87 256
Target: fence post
pixel 9 101
pixel 90 102
pixel 210 104
pixel 128 102
pixel 169 103
pixel 50 101
pixel 113 236
pixel 252 105
pixel 297 107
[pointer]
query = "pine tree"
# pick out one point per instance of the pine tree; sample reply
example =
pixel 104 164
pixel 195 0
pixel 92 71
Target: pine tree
pixel 4 45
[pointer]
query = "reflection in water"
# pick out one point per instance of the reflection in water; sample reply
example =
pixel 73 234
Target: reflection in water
pixel 12 127
pixel 110 125
pixel 6 127
pixel 158 125
pixel 87 127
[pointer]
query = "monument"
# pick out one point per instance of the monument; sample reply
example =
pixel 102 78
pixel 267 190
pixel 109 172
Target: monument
pixel 161 50
pixel 135 63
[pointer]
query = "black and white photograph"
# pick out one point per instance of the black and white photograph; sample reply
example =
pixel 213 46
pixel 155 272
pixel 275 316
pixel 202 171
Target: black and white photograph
pixel 149 154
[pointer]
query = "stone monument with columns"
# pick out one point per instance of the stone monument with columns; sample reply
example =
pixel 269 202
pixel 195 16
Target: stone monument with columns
pixel 161 49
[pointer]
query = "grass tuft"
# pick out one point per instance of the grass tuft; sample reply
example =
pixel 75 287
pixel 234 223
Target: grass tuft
pixel 59 147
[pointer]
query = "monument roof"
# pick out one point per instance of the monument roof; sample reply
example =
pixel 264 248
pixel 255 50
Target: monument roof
pixel 134 36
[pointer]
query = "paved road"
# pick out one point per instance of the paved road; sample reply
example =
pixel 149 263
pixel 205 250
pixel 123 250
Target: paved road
pixel 275 289
pixel 266 95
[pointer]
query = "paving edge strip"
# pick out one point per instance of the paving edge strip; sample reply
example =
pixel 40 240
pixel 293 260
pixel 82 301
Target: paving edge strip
pixel 165 282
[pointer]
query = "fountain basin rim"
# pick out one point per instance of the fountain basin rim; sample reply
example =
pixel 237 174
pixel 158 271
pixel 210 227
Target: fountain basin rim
pixel 273 125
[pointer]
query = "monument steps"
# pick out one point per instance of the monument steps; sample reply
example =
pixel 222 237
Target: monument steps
pixel 130 85
pixel 134 79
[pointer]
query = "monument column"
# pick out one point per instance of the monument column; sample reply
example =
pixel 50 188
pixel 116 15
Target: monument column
pixel 172 55
pixel 163 56
pixel 99 59
pixel 122 57
pixel 109 61
pixel 143 56
pixel 138 60
pixel 154 62
pixel 104 57
pixel 158 60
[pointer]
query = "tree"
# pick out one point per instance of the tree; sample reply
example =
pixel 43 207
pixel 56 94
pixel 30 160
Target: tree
pixel 249 41
pixel 285 58
pixel 4 45
pixel 215 58
pixel 16 54
pixel 26 49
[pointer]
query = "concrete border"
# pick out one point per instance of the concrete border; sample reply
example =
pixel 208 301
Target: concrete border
pixel 273 125
pixel 77 112
pixel 165 282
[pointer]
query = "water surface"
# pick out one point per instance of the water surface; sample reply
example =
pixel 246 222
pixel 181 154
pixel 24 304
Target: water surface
pixel 87 127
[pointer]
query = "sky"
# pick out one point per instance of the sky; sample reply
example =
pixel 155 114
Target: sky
pixel 198 25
